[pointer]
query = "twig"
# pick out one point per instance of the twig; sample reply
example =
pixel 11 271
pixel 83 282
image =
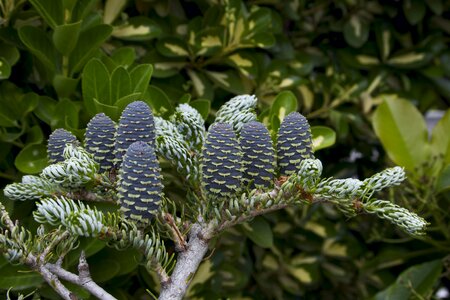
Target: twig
pixel 83 279
pixel 180 242
pixel 50 278
pixel 187 264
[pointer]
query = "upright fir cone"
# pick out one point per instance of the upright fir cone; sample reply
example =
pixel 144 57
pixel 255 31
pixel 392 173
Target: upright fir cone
pixel 100 140
pixel 294 143
pixel 221 165
pixel 258 155
pixel 140 187
pixel 135 124
pixel 57 141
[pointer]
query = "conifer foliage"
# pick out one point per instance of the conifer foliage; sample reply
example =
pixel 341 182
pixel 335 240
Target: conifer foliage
pixel 229 172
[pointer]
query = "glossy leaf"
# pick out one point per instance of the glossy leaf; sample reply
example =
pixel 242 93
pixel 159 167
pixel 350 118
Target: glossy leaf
pixel 322 137
pixel 40 45
pixel 64 86
pixel 88 43
pixel 415 281
pixel 9 53
pixel 440 137
pixel 124 56
pixel 283 104
pixel 19 278
pixel 120 85
pixel 65 37
pixel 414 10
pixel 260 232
pixel 95 84
pixel 5 68
pixel 203 106
pixel 159 101
pixel 140 77
pixel 402 131
pixel 113 8
pixel 356 31
pixel 32 159
pixel 52 11
pixel 137 29
pixel 443 181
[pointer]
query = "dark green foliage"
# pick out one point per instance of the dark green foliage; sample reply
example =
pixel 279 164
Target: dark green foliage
pixel 294 143
pixel 57 142
pixel 140 187
pixel 135 124
pixel 100 140
pixel 221 162
pixel 258 155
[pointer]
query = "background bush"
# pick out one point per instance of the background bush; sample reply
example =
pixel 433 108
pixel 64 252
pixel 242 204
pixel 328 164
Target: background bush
pixel 367 69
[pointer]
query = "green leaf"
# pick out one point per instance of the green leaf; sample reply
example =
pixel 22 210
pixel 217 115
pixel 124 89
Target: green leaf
pixel 65 37
pixel 322 137
pixel 35 135
pixel 103 269
pixel 124 56
pixel 244 62
pixel 66 115
pixel 9 53
pixel 159 101
pixel 410 60
pixel 95 84
pixel 262 40
pixel 140 77
pixel 19 278
pixel 46 109
pixel 418 280
pixel 402 131
pixel 414 10
pixel 82 9
pixel 51 11
pixel 283 104
pixel 120 85
pixel 443 181
pixel 32 159
pixel 110 110
pixel 202 86
pixel 436 6
pixel 88 43
pixel 172 47
pixel 356 31
pixel 203 106
pixel 260 232
pixel 14 105
pixel 304 269
pixel 64 86
pixel 40 45
pixel 124 101
pixel 229 80
pixel 440 137
pixel 112 10
pixel 137 29
pixel 5 68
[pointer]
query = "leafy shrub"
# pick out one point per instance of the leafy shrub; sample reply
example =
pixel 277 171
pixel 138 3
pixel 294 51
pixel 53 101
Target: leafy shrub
pixel 62 63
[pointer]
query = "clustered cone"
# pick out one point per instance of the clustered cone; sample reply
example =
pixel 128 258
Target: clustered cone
pixel 258 159
pixel 57 141
pixel 100 140
pixel 140 186
pixel 221 167
pixel 135 124
pixel 294 143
